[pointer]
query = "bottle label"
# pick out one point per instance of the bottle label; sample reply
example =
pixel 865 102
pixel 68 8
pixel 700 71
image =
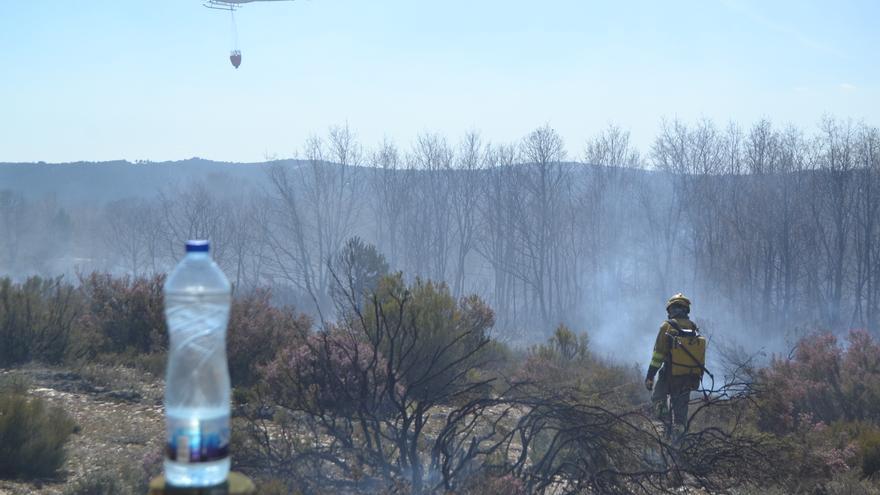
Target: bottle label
pixel 197 440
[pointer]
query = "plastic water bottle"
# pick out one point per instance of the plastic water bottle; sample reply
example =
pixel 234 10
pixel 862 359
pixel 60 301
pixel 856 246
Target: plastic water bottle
pixel 197 392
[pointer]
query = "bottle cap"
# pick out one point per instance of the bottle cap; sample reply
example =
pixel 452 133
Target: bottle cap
pixel 197 246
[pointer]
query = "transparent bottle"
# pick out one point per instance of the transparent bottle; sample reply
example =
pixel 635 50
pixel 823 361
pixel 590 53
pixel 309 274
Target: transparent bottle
pixel 197 390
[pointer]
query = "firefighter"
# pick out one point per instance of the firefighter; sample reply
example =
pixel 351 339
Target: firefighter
pixel 679 355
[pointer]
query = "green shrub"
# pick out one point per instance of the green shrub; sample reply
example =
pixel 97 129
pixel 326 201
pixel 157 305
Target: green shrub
pixel 32 436
pixel 869 450
pixel 436 337
pixel 848 484
pixel 865 438
pixel 36 319
pixel 566 362
pixel 357 269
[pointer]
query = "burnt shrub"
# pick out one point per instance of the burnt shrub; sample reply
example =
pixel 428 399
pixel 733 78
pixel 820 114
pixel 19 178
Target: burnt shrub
pixel 36 319
pixel 358 407
pixel 32 436
pixel 257 330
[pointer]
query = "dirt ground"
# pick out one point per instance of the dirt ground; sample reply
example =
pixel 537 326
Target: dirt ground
pixel 120 424
pixel 119 418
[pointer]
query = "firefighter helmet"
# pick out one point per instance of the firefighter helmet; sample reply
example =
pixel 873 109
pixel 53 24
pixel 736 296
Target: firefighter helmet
pixel 679 299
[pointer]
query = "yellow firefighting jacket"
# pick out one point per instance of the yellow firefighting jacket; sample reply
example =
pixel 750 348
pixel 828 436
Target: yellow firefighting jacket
pixel 682 363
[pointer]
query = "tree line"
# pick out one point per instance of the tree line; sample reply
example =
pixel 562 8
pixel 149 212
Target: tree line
pixel 766 226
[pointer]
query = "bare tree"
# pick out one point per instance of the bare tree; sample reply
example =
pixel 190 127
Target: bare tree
pixel 194 212
pixel 833 212
pixel 130 234
pixel 429 219
pixel 316 210
pixel 867 247
pixel 780 220
pixel 496 244
pixel 465 191
pixel 543 182
pixel 391 198
pixel 612 148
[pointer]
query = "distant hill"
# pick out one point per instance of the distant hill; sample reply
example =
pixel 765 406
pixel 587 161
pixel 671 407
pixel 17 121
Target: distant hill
pixel 108 181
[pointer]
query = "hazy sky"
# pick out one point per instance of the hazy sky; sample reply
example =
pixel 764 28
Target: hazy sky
pixel 102 79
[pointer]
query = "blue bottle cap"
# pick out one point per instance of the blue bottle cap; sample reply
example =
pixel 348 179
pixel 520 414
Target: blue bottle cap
pixel 197 246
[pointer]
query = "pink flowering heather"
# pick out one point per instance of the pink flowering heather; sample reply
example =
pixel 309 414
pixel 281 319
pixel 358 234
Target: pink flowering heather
pixel 824 381
pixel 257 331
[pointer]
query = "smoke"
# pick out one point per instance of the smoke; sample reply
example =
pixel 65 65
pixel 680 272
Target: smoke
pixel 767 237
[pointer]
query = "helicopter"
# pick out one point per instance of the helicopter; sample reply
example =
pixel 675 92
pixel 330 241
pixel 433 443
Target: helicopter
pixel 232 6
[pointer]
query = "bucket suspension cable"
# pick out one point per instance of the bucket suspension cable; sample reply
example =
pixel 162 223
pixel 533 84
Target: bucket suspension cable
pixel 233 29
pixel 234 54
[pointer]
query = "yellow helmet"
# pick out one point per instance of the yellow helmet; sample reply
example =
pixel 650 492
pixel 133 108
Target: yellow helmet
pixel 679 299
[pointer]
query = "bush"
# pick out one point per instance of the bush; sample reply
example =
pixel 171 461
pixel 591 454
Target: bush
pixel 565 362
pixel 360 405
pixel 153 363
pixel 869 451
pixel 823 402
pixel 123 322
pixel 325 373
pixel 32 436
pixel 849 484
pixel 14 384
pixel 819 453
pixel 257 330
pixel 357 268
pixel 433 336
pixel 823 382
pixel 553 363
pixel 121 316
pixel 36 318
pixel 127 482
